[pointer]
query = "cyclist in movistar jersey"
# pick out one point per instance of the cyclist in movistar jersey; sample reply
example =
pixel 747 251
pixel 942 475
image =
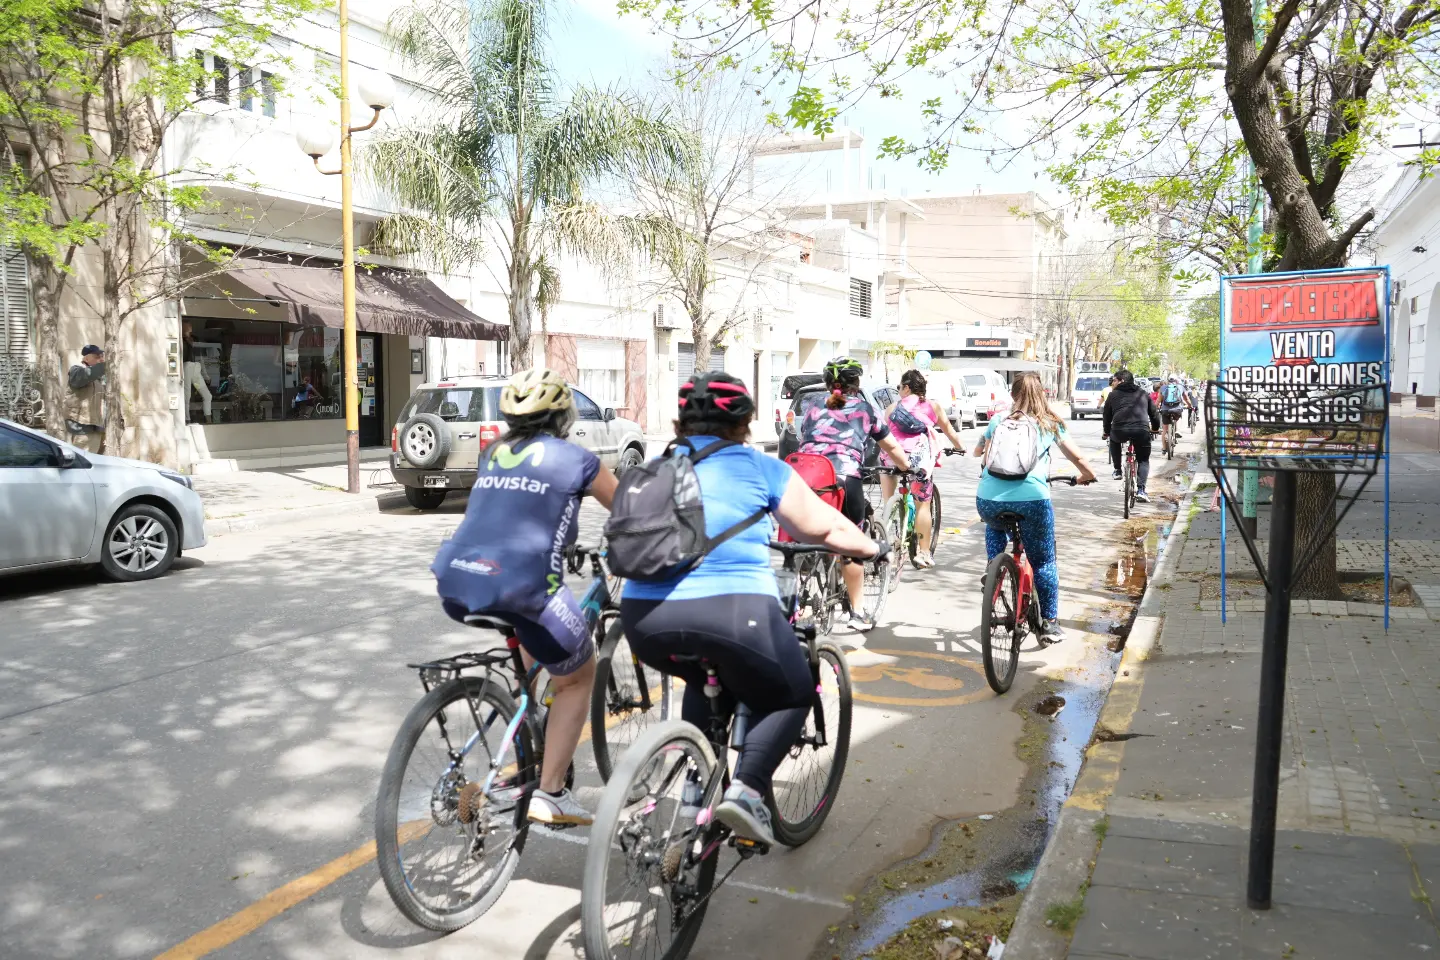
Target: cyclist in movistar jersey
pixel 507 558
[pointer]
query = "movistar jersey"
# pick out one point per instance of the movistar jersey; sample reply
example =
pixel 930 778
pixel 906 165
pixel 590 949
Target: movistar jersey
pixel 508 553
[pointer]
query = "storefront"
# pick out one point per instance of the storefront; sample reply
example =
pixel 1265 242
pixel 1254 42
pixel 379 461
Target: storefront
pixel 263 358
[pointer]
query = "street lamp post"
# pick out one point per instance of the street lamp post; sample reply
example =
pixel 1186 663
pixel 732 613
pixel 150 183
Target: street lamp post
pixel 377 90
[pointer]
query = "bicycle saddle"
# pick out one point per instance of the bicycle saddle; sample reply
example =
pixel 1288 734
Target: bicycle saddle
pixel 489 621
pixel 1008 516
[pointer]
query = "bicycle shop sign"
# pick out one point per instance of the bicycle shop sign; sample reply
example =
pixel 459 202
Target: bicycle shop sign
pixel 1313 328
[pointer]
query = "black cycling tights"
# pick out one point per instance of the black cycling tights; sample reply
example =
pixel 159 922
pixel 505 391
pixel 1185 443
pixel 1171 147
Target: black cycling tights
pixel 1141 439
pixel 760 663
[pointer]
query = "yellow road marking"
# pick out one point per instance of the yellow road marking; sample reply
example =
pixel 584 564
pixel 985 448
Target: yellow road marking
pixel 1101 771
pixel 924 701
pixel 279 900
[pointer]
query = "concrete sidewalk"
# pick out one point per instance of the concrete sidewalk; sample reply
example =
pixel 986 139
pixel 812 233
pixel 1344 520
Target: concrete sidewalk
pixel 1149 858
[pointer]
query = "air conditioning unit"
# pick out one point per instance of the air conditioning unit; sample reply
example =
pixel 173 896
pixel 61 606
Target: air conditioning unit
pixel 663 320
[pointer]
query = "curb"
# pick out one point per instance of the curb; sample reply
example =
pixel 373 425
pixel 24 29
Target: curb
pixel 1069 856
pixel 224 526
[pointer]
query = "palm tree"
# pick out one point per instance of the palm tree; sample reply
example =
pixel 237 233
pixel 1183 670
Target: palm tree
pixel 507 158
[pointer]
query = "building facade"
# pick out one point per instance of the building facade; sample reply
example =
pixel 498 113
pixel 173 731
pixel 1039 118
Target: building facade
pixel 1407 238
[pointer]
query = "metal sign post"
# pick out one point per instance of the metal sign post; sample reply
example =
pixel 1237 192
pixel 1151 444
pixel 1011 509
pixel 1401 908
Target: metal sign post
pixel 1304 387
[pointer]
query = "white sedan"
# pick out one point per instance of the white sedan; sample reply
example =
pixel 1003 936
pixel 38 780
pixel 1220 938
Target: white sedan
pixel 60 506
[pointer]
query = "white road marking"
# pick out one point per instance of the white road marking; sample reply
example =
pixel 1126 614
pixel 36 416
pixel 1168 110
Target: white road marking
pixel 790 894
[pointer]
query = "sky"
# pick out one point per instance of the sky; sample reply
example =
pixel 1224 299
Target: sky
pixel 594 43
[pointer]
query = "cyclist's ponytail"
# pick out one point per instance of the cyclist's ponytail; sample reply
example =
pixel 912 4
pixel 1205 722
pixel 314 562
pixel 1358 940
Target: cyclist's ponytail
pixel 836 400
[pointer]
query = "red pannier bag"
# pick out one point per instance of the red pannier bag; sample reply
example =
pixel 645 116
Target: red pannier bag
pixel 819 475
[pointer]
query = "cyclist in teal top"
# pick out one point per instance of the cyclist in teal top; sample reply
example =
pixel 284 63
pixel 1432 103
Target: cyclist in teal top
pixel 1030 496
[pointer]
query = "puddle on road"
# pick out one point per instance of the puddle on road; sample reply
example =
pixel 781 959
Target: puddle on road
pixel 992 860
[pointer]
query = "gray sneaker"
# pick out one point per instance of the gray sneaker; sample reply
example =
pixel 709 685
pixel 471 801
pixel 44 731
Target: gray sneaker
pixel 1142 496
pixel 561 811
pixel 745 814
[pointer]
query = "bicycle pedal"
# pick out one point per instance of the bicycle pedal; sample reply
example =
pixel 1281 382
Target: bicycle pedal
pixel 748 848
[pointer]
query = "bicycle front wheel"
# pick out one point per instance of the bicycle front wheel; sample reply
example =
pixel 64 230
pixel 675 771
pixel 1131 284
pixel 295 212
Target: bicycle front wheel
pixel 808 779
pixel 628 697
pixel 445 847
pixel 897 532
pixel 1001 623
pixel 648 870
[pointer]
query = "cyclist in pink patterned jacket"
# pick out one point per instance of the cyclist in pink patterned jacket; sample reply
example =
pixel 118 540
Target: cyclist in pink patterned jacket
pixel 913 408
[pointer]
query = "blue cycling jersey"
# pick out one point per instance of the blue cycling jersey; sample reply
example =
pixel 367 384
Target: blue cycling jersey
pixel 508 553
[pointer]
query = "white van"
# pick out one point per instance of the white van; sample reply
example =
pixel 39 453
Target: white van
pixel 990 392
pixel 1085 398
pixel 947 388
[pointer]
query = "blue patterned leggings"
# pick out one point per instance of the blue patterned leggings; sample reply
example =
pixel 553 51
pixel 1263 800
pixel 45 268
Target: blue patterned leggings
pixel 1037 530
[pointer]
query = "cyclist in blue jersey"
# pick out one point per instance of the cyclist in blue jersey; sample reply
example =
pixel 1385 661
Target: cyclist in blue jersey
pixel 726 609
pixel 507 558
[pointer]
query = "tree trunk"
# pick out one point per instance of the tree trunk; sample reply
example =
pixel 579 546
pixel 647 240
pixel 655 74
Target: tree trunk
pixel 521 353
pixel 46 283
pixel 1320 580
pixel 699 333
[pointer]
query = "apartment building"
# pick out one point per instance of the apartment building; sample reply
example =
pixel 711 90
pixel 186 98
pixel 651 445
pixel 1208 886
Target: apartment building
pixel 1407 237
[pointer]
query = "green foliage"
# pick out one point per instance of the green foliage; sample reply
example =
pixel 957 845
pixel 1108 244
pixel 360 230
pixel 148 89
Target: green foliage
pixel 506 156
pixel 1200 340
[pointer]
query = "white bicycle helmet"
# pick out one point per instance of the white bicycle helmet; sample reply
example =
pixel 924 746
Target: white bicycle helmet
pixel 536 394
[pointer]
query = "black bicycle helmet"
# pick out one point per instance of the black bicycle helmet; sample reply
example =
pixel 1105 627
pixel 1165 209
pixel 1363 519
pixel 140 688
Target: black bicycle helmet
pixel 715 397
pixel 844 371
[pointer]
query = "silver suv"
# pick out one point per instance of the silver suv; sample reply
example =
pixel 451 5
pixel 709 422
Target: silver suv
pixel 436 443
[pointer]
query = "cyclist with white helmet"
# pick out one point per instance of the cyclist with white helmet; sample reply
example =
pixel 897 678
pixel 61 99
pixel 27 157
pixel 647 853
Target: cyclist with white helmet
pixel 507 558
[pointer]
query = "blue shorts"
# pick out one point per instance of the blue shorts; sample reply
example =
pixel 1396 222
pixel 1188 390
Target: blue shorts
pixel 559 639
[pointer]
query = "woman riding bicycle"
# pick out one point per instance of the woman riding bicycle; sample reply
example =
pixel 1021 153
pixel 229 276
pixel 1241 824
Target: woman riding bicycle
pixel 507 559
pixel 1131 416
pixel 837 430
pixel 1030 495
pixel 727 608
pixel 912 420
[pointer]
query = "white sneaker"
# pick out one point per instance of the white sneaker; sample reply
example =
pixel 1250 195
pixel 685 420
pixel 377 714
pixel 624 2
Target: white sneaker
pixel 564 810
pixel 860 622
pixel 1142 496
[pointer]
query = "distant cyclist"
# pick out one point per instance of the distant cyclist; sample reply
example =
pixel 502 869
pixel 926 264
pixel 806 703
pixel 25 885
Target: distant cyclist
pixel 726 609
pixel 913 418
pixel 507 558
pixel 1172 400
pixel 1031 419
pixel 1130 415
pixel 837 430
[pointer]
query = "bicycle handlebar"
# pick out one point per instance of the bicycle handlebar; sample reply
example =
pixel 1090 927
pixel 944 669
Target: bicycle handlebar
pixel 794 548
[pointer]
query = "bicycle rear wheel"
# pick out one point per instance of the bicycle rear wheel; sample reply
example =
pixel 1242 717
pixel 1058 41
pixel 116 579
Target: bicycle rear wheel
pixel 648 873
pixel 1002 623
pixel 875 588
pixel 808 779
pixel 899 537
pixel 618 701
pixel 934 507
pixel 816 591
pixel 1129 500
pixel 445 848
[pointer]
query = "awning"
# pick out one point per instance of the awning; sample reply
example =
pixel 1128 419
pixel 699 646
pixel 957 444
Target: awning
pixel 993 363
pixel 386 300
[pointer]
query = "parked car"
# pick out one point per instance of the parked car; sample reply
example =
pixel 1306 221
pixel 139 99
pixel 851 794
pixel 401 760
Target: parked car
pixel 948 388
pixel 880 397
pixel 436 443
pixel 990 392
pixel 60 506
pixel 1085 399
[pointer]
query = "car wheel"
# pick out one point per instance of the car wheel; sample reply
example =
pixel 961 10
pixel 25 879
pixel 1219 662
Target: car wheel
pixel 424 499
pixel 425 441
pixel 632 457
pixel 140 543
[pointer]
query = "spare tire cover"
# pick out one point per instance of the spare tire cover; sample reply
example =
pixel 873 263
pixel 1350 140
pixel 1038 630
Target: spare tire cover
pixel 425 441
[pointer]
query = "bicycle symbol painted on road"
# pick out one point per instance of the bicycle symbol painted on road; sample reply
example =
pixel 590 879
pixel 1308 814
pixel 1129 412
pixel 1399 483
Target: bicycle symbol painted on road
pixel 947 685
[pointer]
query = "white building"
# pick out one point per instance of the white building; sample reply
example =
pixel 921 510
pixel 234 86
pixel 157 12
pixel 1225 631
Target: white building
pixel 1407 238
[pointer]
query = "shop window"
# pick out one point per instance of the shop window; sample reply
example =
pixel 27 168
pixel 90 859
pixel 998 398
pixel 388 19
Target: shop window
pixel 601 366
pixel 249 371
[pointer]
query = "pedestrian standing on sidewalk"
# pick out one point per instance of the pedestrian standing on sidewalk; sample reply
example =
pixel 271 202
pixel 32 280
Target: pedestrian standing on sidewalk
pixel 1031 430
pixel 84 408
pixel 1130 415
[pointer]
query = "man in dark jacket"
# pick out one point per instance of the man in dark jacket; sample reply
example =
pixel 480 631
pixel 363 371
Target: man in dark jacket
pixel 1130 414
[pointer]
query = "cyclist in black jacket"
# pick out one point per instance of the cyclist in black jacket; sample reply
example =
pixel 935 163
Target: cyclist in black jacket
pixel 1130 414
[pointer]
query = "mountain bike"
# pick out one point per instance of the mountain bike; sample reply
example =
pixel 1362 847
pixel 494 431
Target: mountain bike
pixel 1010 608
pixel 1169 434
pixel 1192 416
pixel 451 814
pixel 654 850
pixel 898 515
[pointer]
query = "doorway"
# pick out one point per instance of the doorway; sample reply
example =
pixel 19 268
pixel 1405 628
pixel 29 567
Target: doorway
pixel 372 400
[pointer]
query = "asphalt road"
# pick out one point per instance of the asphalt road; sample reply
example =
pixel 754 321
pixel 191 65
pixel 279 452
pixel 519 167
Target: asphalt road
pixel 192 761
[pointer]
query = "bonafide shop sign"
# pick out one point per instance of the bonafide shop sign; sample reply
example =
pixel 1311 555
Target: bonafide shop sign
pixel 1311 328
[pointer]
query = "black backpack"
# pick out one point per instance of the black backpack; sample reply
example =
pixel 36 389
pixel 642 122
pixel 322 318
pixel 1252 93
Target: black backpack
pixel 656 530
